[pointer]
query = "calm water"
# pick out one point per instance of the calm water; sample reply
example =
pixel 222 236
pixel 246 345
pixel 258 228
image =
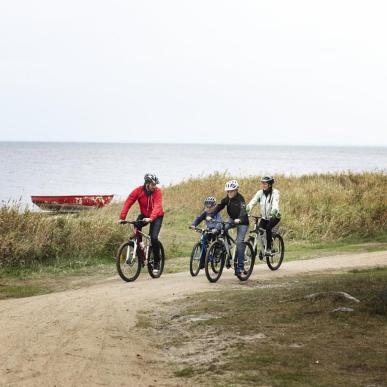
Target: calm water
pixel 73 168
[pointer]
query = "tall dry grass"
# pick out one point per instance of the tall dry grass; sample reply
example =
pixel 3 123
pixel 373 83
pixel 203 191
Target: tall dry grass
pixel 314 207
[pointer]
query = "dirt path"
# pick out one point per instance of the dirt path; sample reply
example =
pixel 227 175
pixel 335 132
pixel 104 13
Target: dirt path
pixel 86 337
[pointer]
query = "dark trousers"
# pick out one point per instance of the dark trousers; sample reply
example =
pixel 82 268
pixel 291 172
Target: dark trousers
pixel 268 225
pixel 154 230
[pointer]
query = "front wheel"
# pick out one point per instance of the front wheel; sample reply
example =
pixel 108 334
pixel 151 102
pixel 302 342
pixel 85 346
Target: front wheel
pixel 151 270
pixel 194 262
pixel 275 259
pixel 128 263
pixel 214 262
pixel 249 260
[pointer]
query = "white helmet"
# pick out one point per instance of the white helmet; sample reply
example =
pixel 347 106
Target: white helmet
pixel 231 185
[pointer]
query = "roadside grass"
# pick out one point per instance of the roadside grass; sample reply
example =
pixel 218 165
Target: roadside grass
pixel 317 208
pixel 272 335
pixel 12 291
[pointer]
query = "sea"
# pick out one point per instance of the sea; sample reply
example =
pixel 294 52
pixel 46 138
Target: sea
pixel 43 168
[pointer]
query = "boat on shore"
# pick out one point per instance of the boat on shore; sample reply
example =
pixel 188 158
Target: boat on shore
pixel 71 203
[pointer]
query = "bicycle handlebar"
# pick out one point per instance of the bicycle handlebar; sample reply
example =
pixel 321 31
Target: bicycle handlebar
pixel 134 222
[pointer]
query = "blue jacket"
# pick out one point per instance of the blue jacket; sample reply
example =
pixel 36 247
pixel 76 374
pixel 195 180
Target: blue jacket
pixel 210 224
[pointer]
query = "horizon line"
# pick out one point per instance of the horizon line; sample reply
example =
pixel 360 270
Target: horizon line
pixel 194 143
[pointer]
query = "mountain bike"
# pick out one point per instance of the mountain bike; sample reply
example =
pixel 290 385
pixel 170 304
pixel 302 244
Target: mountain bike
pixel 222 252
pixel 136 253
pixel 198 250
pixel 257 238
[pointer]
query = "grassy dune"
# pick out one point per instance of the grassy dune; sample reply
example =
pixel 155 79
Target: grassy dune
pixel 319 208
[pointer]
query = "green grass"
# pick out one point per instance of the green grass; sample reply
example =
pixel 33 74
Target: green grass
pixel 274 336
pixel 7 291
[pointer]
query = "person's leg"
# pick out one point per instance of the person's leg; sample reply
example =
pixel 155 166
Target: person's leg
pixel 139 226
pixel 240 253
pixel 203 248
pixel 154 231
pixel 263 225
pixel 269 236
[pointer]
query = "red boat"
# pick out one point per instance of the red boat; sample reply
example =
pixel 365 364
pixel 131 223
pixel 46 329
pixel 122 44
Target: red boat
pixel 71 203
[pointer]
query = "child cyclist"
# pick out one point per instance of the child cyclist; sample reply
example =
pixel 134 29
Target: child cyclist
pixel 209 206
pixel 236 209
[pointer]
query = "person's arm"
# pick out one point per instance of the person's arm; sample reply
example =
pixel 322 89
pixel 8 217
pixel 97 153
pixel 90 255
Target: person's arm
pixel 199 219
pixel 157 205
pixel 220 206
pixel 253 202
pixel 133 196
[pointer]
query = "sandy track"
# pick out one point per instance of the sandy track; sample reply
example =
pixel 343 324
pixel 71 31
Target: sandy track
pixel 86 337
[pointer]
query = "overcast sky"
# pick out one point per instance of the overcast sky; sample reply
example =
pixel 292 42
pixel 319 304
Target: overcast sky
pixel 213 71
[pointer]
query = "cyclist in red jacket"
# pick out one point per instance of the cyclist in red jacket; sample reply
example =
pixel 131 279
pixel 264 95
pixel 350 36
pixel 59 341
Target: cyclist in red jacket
pixel 149 199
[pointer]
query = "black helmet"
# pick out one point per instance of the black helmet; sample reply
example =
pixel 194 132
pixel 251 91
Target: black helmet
pixel 210 201
pixel 151 178
pixel 267 179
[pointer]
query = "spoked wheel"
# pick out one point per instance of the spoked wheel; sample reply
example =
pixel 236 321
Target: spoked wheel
pixel 194 262
pixel 156 273
pixel 214 262
pixel 249 260
pixel 278 251
pixel 128 264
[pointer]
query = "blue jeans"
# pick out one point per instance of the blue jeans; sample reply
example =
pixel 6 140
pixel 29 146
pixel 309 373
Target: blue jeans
pixel 240 251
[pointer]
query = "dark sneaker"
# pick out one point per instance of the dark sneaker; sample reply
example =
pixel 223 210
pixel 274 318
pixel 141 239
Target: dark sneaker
pixel 156 266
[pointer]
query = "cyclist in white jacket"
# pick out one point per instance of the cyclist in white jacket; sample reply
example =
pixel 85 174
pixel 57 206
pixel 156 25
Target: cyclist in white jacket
pixel 268 198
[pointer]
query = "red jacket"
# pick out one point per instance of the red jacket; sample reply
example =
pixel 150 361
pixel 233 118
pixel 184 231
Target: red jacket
pixel 150 206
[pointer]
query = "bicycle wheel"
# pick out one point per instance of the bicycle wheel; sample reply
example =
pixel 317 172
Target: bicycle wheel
pixel 249 260
pixel 278 251
pixel 214 261
pixel 156 274
pixel 128 266
pixel 194 262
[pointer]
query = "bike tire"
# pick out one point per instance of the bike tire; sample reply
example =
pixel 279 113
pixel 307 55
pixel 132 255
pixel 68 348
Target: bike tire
pixel 277 241
pixel 214 261
pixel 244 276
pixel 122 266
pixel 193 269
pixel 162 261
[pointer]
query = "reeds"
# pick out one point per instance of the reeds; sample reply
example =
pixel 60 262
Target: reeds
pixel 314 207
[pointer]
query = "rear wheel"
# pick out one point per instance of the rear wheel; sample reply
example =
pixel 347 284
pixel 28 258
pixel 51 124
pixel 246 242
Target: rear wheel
pixel 249 260
pixel 214 261
pixel 156 273
pixel 194 262
pixel 278 251
pixel 127 263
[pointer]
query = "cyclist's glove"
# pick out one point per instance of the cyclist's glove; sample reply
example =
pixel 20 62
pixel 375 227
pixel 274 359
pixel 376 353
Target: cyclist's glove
pixel 276 214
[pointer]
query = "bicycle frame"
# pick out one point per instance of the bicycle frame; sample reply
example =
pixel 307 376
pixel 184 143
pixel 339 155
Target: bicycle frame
pixel 229 242
pixel 137 239
pixel 259 233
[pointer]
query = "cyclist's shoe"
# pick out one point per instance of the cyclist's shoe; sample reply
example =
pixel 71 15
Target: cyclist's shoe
pixel 260 255
pixel 201 266
pixel 228 264
pixel 156 267
pixel 239 271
